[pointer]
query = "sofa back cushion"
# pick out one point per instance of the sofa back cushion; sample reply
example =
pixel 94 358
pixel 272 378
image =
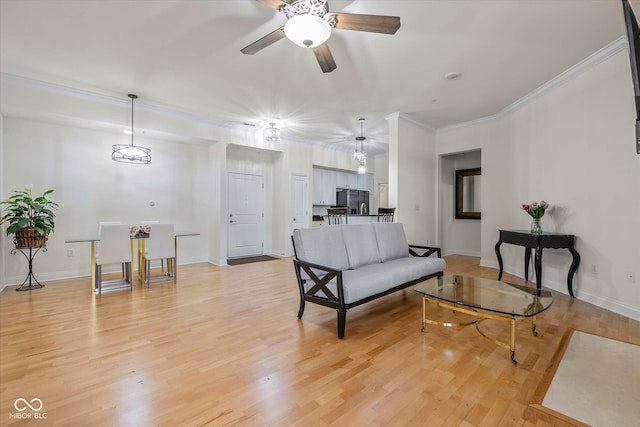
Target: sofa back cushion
pixel 392 242
pixel 361 243
pixel 321 245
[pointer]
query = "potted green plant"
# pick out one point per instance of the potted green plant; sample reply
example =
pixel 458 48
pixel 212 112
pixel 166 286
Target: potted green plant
pixel 29 218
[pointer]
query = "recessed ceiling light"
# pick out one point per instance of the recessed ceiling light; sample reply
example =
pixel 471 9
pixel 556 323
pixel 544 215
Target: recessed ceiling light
pixel 454 75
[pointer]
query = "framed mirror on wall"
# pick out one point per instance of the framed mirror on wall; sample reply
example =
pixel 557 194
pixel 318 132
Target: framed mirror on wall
pixel 468 196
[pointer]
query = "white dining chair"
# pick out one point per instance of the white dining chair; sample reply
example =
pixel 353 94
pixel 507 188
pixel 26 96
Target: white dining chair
pixel 100 224
pixel 142 246
pixel 114 248
pixel 160 246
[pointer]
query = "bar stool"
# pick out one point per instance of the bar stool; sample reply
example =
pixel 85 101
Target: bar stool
pixel 337 216
pixel 386 214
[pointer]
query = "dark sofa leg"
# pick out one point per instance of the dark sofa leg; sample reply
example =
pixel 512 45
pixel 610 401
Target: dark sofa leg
pixel 301 310
pixel 342 320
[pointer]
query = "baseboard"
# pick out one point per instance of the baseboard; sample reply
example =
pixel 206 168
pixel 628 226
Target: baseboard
pixel 217 261
pixel 84 272
pixel 446 252
pixel 281 253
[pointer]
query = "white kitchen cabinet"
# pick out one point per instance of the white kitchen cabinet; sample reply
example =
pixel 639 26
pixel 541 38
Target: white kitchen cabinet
pixel 324 187
pixel 352 180
pixel 348 180
pixel 369 183
pixel 365 182
pixel 316 186
pixel 328 187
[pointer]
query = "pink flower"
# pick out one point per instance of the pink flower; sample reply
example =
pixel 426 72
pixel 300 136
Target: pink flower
pixel 525 207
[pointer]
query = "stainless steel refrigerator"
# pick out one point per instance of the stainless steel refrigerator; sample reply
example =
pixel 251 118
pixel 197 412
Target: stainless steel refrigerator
pixel 357 201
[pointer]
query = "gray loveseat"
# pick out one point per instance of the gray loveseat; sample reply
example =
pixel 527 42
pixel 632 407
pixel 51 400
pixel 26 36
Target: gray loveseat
pixel 343 266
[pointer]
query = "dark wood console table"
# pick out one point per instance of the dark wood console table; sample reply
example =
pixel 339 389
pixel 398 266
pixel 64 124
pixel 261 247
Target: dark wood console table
pixel 538 242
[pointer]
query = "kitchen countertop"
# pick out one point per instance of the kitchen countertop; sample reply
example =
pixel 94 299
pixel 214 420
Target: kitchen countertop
pixel 321 217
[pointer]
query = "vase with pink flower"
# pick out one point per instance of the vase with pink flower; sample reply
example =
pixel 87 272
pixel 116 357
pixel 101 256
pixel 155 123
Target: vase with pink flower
pixel 536 211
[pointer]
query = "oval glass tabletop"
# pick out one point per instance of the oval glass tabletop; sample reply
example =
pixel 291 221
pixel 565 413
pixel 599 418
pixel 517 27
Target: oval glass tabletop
pixel 487 294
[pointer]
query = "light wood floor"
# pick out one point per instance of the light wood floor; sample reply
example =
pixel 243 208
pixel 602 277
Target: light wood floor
pixel 224 347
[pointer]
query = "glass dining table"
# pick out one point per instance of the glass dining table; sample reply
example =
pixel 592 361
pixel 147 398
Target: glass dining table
pixel 140 239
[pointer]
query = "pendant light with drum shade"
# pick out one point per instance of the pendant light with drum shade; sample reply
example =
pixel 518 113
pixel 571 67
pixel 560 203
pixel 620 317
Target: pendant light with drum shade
pixel 134 154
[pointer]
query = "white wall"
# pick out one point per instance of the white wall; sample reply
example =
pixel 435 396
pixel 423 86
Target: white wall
pixel 413 179
pixel 3 237
pixel 216 204
pixel 572 145
pixel 381 176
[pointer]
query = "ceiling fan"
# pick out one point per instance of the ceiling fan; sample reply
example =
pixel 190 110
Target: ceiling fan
pixel 309 25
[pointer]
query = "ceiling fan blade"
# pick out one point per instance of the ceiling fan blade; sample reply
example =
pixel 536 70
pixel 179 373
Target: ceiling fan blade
pixel 267 40
pixel 273 4
pixel 370 23
pixel 324 57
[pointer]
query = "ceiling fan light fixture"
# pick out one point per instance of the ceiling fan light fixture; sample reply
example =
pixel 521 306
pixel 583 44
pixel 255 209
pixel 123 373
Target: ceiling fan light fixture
pixel 307 30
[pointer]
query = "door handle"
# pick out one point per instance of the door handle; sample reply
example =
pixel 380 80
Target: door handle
pixel 231 220
pixel 294 219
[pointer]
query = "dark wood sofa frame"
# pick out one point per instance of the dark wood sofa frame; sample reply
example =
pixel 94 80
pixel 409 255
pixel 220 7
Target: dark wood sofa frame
pixel 337 301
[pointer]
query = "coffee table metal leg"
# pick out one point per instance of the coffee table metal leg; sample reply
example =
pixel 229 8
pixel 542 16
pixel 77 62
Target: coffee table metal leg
pixel 512 341
pixel 424 314
pixel 533 326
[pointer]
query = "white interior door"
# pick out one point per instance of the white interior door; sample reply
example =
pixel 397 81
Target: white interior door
pixel 246 215
pixel 299 201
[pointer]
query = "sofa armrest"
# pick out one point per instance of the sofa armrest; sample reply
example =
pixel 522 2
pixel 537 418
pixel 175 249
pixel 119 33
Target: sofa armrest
pixel 320 275
pixel 428 251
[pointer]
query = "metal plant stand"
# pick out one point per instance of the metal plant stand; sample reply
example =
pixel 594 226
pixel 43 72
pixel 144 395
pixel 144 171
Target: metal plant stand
pixel 29 257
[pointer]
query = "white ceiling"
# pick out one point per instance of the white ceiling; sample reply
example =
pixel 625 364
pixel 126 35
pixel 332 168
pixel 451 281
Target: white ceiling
pixel 185 55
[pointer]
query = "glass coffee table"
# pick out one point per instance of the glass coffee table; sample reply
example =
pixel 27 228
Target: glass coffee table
pixel 484 299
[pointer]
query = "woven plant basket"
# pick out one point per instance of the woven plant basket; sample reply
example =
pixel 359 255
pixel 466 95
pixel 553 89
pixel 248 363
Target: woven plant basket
pixel 30 238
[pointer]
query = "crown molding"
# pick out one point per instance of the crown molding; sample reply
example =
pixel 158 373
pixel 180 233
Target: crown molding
pixel 589 62
pixel 110 100
pixel 407 118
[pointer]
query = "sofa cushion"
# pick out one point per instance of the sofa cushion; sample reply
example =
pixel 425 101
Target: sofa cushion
pixel 362 246
pixel 321 245
pixel 407 269
pixel 365 281
pixel 392 242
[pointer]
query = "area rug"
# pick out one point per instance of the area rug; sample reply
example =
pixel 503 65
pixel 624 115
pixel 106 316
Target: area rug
pixel 597 383
pixel 247 260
